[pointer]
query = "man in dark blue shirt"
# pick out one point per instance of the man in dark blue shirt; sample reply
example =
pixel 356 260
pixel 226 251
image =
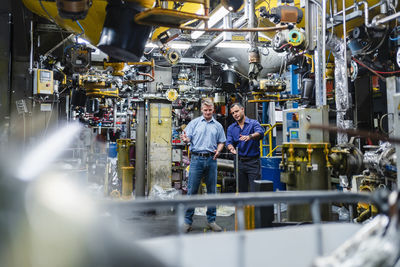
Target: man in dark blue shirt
pixel 245 134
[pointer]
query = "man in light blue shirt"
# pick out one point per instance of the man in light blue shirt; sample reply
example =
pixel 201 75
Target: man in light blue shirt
pixel 206 137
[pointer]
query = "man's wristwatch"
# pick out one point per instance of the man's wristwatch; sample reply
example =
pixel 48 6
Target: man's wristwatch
pixel 251 136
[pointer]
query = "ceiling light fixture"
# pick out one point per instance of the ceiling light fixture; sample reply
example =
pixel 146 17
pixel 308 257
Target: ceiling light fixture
pixel 215 17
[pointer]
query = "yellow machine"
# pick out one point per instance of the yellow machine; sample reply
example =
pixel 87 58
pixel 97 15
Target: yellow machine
pixel 43 82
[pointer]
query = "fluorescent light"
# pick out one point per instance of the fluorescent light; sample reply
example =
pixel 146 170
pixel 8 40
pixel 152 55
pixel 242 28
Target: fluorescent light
pixel 233 45
pixel 215 17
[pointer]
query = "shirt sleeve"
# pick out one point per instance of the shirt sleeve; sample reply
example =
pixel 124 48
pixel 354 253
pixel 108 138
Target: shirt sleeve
pixel 229 137
pixel 189 130
pixel 221 134
pixel 258 128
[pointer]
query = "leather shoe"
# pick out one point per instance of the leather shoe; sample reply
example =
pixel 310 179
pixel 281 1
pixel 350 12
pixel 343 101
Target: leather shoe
pixel 214 227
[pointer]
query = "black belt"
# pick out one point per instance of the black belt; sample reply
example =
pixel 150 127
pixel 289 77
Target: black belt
pixel 248 158
pixel 205 154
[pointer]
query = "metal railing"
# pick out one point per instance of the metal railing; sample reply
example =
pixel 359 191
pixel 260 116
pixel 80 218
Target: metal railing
pixel 180 204
pixel 269 145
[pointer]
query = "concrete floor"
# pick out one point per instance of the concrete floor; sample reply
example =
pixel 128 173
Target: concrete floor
pixel 150 225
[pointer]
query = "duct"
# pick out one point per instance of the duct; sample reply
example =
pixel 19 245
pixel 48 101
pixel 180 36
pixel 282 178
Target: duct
pixel 341 90
pixel 237 24
pixel 238 58
pixel 311 12
pixel 140 148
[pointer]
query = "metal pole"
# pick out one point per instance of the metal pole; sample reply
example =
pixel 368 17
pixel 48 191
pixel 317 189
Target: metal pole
pixel 10 66
pixel 140 152
pixel 240 213
pixel 237 169
pixel 115 117
pixel 323 52
pixel 31 50
pixel 316 216
pixel 278 212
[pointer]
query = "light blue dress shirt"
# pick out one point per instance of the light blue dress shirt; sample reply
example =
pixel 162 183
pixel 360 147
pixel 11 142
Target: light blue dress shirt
pixel 205 135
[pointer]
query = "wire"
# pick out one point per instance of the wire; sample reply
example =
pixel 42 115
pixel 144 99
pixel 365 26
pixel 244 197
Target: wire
pixel 147 53
pixel 80 34
pixel 376 71
pixel 48 14
pixel 220 63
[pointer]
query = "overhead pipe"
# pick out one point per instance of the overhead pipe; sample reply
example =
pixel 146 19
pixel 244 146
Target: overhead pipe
pixel 237 24
pixel 140 148
pixel 387 19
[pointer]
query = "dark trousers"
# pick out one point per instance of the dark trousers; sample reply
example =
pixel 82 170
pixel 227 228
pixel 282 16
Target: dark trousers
pixel 249 170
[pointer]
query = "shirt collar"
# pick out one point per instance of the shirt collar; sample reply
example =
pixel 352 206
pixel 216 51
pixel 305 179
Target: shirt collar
pixel 204 119
pixel 246 120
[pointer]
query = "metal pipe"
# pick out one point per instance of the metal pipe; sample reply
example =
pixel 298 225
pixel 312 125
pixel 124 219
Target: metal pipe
pixel 140 148
pixel 387 19
pixel 115 117
pixel 128 126
pixel 10 66
pixel 252 23
pixel 366 15
pixel 31 50
pixel 237 24
pixel 57 46
pixel 316 215
pixel 257 199
pixel 323 52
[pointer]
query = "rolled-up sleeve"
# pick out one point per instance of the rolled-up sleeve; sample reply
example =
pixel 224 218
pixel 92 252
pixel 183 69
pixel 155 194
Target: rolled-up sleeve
pixel 258 128
pixel 229 137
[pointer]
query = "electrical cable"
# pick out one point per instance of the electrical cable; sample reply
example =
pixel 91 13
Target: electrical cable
pixel 220 63
pixel 375 71
pixel 48 14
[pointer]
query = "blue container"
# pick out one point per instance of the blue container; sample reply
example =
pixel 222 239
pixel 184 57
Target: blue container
pixel 270 171
pixel 112 150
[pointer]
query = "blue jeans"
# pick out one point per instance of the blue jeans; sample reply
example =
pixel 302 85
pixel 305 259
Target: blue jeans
pixel 202 167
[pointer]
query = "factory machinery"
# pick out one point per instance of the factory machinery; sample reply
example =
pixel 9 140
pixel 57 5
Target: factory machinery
pixel 321 78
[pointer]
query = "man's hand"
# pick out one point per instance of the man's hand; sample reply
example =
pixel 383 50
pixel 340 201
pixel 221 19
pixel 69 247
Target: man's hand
pixel 218 150
pixel 245 137
pixel 232 149
pixel 184 137
pixel 216 154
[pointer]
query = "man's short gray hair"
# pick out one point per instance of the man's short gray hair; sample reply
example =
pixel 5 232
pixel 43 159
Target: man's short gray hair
pixel 237 104
pixel 207 102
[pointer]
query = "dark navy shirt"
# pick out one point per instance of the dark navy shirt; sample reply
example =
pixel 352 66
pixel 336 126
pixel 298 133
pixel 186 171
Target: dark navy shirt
pixel 249 148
